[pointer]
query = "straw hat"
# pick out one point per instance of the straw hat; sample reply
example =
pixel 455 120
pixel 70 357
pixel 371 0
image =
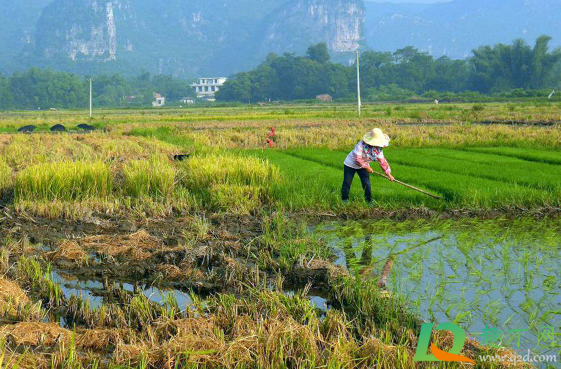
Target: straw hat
pixel 376 138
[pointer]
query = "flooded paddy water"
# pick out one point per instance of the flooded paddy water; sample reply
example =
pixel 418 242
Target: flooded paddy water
pixel 95 292
pixel 488 276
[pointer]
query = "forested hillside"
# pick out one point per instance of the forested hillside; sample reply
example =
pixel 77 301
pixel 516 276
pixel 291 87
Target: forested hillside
pixel 515 70
pixel 400 75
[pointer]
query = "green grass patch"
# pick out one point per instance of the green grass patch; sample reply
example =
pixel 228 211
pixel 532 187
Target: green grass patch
pixel 542 156
pixel 457 189
pixel 307 184
pixel 505 169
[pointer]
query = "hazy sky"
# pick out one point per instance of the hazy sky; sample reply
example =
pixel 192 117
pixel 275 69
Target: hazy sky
pixel 410 1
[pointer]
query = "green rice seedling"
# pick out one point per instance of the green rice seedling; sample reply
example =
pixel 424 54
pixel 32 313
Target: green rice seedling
pixel 544 156
pixel 538 175
pixel 361 300
pixel 151 132
pixel 312 186
pixel 482 262
pixel 64 181
pixel 151 178
pixel 201 226
pixel 301 185
pixel 170 308
pixel 383 191
pixel 474 192
pixel 285 242
pixel 458 189
pixel 30 273
pixel 140 311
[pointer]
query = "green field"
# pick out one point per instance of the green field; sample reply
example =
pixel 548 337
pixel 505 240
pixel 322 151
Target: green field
pixel 115 254
pixel 462 178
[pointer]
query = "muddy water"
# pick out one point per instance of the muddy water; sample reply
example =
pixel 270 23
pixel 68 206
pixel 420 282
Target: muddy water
pixel 481 275
pixel 93 291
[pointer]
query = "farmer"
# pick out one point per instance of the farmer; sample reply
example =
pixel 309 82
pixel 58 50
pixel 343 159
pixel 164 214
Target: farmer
pixel 358 161
pixel 271 137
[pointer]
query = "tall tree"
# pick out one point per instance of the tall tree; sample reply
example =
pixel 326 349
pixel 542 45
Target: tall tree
pixel 413 68
pixel 543 64
pixel 504 67
pixel 319 53
pixel 110 91
pixel 37 88
pixel 6 97
pixel 236 89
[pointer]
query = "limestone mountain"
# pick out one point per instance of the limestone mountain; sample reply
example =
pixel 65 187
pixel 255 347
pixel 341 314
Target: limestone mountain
pixel 186 38
pixel 297 24
pixel 220 37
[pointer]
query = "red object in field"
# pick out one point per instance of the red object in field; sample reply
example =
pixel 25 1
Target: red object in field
pixel 271 137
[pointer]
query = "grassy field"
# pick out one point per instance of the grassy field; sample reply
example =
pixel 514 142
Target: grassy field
pixel 446 172
pixel 533 112
pixel 230 227
pixel 120 172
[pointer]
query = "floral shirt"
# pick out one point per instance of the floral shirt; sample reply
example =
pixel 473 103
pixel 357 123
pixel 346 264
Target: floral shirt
pixel 363 154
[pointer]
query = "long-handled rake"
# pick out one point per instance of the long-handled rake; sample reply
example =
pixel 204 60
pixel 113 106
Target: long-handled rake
pixel 411 187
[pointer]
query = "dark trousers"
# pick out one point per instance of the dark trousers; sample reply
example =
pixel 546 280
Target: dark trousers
pixel 348 181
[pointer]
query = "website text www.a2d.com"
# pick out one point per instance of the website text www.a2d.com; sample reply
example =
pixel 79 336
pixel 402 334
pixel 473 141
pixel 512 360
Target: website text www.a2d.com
pixel 519 358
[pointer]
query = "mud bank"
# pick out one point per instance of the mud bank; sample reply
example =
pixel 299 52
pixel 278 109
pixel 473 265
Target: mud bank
pixel 253 285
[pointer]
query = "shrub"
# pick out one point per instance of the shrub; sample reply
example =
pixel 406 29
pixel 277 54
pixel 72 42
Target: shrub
pixel 64 181
pixel 154 177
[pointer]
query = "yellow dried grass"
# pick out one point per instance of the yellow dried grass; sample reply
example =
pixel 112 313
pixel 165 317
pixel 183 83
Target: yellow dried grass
pixel 12 293
pixel 137 245
pixel 99 338
pixel 288 343
pixel 69 251
pixel 35 334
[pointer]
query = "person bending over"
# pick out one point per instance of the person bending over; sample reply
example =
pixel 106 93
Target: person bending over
pixel 358 161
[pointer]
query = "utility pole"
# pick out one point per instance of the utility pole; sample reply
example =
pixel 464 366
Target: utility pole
pixel 358 81
pixel 91 113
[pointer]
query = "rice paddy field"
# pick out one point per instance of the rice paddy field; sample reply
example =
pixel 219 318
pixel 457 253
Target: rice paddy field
pixel 176 238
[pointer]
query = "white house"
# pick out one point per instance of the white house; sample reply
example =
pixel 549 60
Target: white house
pixel 208 86
pixel 159 100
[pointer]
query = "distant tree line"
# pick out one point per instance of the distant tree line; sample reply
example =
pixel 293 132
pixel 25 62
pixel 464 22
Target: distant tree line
pixel 515 70
pixel 407 72
pixel 44 88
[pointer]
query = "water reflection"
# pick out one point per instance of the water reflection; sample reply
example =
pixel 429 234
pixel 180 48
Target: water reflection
pixel 490 274
pixel 92 291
